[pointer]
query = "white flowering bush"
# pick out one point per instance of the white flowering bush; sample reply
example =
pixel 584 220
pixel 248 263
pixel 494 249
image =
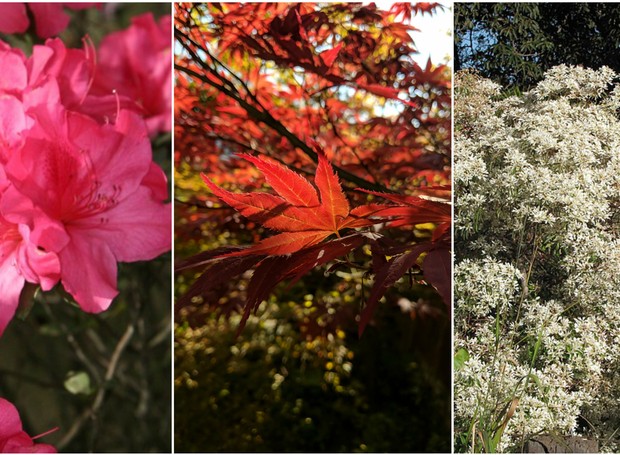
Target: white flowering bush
pixel 537 273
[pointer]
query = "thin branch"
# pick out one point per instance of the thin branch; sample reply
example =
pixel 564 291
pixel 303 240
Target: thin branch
pixel 91 412
pixel 270 121
pixel 79 352
pixel 263 115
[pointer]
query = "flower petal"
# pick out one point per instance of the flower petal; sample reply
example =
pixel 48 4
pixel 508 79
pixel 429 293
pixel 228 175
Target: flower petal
pixel 11 284
pixel 10 422
pixel 88 271
pixel 13 18
pixel 137 229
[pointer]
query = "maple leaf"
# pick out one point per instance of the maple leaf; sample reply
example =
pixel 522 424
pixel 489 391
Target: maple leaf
pixel 435 264
pixel 385 92
pixel 411 210
pixel 387 273
pixel 330 55
pixel 303 216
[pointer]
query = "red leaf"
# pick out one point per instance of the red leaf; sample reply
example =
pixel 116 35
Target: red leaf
pixel 330 55
pixel 260 286
pixel 288 184
pixel 437 271
pixel 414 210
pixel 274 269
pixel 271 211
pixel 387 274
pixel 297 212
pixel 214 276
pixel 285 243
pixel 386 92
pixel 360 216
pixel 333 199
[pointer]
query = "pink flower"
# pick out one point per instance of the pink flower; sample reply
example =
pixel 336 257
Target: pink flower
pixel 13 439
pixel 22 260
pixel 100 195
pixel 136 63
pixel 50 18
pixel 79 190
pixel 71 69
pixel 57 74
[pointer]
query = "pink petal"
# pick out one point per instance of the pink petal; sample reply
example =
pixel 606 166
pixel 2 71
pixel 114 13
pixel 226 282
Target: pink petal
pixel 89 272
pixel 36 265
pixel 71 68
pixel 13 123
pixel 30 448
pixel 13 18
pixel 136 63
pixel 120 161
pixel 12 437
pixel 10 423
pixel 157 182
pixel 11 284
pixel 138 229
pixel 13 76
pixel 49 18
pixel 18 209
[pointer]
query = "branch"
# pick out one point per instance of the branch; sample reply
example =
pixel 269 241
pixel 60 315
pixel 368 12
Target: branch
pixel 264 116
pixel 91 412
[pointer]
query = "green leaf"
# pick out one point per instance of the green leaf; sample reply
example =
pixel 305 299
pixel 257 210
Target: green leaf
pixel 78 383
pixel 460 358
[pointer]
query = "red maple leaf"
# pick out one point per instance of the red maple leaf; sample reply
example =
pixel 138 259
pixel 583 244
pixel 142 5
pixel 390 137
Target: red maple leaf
pixel 303 216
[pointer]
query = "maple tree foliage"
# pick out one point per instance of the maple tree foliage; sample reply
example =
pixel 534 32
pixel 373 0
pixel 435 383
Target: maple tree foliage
pixel 309 135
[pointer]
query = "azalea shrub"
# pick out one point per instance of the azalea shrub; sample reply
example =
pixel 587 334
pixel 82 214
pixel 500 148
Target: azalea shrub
pixel 537 289
pixel 312 152
pixel 81 192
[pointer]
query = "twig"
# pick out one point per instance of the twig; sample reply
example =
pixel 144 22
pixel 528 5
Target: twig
pixel 91 412
pixel 263 115
pixel 79 352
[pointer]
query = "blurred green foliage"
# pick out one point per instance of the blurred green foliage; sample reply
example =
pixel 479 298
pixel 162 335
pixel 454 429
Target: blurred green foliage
pixel 273 389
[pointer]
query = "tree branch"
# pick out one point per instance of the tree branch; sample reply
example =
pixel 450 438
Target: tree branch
pixel 263 116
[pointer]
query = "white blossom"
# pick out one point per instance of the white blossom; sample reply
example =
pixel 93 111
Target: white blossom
pixel 537 273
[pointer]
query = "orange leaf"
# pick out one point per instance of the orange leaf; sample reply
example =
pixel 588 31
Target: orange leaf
pixel 304 216
pixel 285 243
pixel 333 199
pixel 271 211
pixel 288 184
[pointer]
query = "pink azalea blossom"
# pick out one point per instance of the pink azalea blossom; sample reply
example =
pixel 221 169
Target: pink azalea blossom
pixel 136 63
pixel 50 18
pixel 101 196
pixel 13 439
pixel 14 75
pixel 79 190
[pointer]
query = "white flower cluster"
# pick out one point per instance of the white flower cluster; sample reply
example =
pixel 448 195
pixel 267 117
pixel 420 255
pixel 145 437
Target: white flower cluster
pixel 537 278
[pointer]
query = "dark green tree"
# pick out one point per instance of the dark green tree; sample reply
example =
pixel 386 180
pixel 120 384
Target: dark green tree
pixel 515 43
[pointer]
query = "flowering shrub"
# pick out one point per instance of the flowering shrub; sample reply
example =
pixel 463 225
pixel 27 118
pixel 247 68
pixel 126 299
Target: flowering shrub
pixel 81 192
pixel 13 439
pixel 78 193
pixel 537 289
